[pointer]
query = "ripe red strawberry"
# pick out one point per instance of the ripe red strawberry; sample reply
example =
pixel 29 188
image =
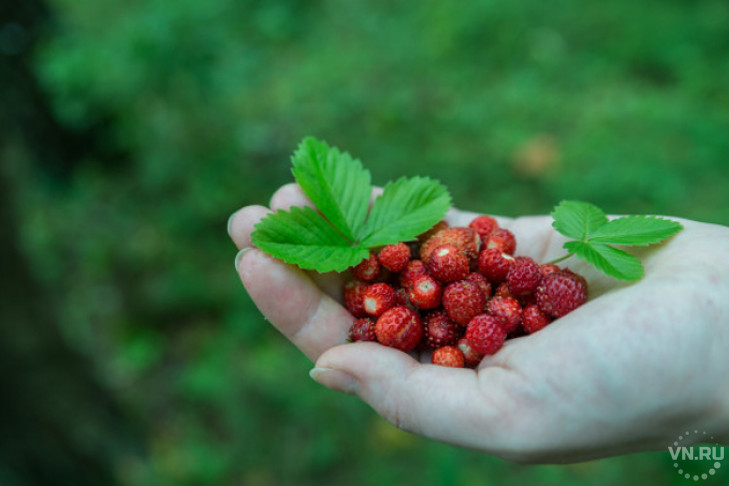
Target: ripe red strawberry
pixel 503 240
pixel 447 264
pixel 486 334
pixel 378 298
pixel 548 268
pixel 532 319
pixel 481 281
pixel 494 264
pixel 440 225
pixel 362 330
pixel 413 269
pixel 400 328
pixel 394 257
pixel 368 270
pixel 523 277
pixel 440 330
pixel 484 226
pixel 449 356
pixel 576 275
pixel 354 291
pixel 463 300
pixel 507 310
pixel 472 357
pixel 560 293
pixel 425 292
pixel 502 290
pixel 465 239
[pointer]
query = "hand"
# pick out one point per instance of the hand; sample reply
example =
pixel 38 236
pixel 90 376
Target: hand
pixel 628 371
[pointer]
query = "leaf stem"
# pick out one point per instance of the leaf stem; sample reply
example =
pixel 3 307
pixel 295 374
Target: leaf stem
pixel 560 259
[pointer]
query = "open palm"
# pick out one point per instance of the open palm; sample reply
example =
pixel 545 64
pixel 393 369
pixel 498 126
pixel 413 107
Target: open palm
pixel 627 371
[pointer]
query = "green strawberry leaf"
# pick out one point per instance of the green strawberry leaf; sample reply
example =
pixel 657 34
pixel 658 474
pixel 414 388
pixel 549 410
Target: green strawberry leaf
pixel 636 230
pixel 612 261
pixel 576 219
pixel 341 233
pixel 406 208
pixel 336 183
pixel 301 236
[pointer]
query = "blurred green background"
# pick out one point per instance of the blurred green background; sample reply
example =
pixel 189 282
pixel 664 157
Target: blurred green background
pixel 130 130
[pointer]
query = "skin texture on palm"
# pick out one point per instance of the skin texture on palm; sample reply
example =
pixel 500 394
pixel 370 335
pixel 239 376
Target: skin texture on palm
pixel 627 371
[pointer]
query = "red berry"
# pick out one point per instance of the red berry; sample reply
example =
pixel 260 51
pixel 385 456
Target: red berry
pixel 560 293
pixel 484 226
pixel 378 298
pixel 440 330
pixel 413 269
pixel 494 264
pixel 368 270
pixel 439 226
pixel 465 239
pixel 449 356
pixel 399 327
pixel 472 357
pixel 486 334
pixel 532 319
pixel 425 292
pixel 354 291
pixel 502 290
pixel 447 264
pixel 548 268
pixel 394 257
pixel 462 301
pixel 503 240
pixel 482 282
pixel 523 276
pixel 363 330
pixel 507 310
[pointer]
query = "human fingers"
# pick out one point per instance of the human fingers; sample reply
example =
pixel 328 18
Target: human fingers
pixel 293 303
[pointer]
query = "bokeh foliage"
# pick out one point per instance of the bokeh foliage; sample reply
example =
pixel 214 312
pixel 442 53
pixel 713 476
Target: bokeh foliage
pixel 513 105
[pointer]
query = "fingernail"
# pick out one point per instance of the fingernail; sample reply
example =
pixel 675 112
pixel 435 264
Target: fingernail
pixel 239 255
pixel 230 222
pixel 335 380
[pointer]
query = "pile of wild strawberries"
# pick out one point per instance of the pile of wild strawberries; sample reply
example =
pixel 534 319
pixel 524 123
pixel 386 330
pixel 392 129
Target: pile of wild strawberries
pixel 458 291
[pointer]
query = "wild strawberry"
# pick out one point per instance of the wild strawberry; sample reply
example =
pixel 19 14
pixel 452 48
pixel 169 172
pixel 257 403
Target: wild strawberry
pixel 527 299
pixel 354 291
pixel 378 298
pixel 471 356
pixel 523 276
pixel 494 264
pixel 503 240
pixel 484 226
pixel 362 330
pixel 462 301
pixel 449 356
pixel 413 269
pixel 560 293
pixel 532 319
pixel 400 328
pixel 425 292
pixel 394 257
pixel 548 268
pixel 439 226
pixel 576 275
pixel 502 290
pixel 481 281
pixel 465 239
pixel 507 310
pixel 440 330
pixel 368 270
pixel 486 334
pixel 447 264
